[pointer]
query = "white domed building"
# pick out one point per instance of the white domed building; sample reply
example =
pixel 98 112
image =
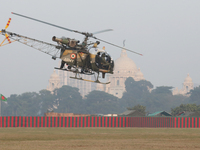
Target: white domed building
pixel 124 68
pixel 187 86
pixel 54 82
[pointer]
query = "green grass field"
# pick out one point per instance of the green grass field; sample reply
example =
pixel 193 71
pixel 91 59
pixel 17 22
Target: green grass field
pixel 98 138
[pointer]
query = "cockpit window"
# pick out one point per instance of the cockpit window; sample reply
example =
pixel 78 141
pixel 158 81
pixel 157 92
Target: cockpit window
pixel 102 59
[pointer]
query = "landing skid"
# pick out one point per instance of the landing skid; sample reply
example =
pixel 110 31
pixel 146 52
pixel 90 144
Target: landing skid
pixel 74 71
pixel 80 78
pixel 97 81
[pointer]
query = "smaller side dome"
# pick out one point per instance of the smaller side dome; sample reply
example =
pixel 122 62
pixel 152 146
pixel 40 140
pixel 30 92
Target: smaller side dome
pixel 188 79
pixel 139 75
pixel 54 82
pixel 54 75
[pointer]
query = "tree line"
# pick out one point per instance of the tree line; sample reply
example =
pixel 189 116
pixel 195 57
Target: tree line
pixel 68 100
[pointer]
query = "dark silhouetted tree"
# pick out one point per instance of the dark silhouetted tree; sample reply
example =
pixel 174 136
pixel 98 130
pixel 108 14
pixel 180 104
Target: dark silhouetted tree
pixel 68 99
pixel 195 95
pixel 98 102
pixel 185 107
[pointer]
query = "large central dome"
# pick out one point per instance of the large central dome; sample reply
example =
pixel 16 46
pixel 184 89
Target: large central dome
pixel 123 64
pixel 124 68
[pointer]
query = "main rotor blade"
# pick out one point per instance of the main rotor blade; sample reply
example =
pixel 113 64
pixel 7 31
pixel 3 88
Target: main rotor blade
pixel 117 46
pixel 46 23
pixel 102 31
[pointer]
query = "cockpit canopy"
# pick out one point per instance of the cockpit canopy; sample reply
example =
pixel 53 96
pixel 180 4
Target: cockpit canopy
pixel 103 60
pixel 101 53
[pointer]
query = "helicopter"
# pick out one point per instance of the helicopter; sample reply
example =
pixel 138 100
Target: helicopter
pixel 80 57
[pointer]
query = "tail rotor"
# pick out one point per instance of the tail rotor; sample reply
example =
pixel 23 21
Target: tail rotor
pixel 5 34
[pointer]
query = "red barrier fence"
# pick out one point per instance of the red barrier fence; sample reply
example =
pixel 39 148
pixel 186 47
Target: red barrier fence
pixel 94 121
pixel 168 122
pixel 35 121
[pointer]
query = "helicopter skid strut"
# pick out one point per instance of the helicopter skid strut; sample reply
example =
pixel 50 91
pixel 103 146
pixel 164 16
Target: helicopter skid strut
pixel 74 71
pixel 97 81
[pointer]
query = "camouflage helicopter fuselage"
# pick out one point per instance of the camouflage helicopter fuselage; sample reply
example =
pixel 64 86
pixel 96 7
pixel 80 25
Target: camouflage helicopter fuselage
pixel 85 60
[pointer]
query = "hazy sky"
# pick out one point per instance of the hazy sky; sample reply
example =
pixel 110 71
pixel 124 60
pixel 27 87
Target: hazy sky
pixel 166 32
